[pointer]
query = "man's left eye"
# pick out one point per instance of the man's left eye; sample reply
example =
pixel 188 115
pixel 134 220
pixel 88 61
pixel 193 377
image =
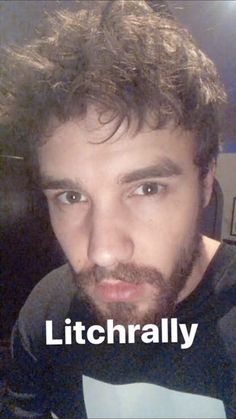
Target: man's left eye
pixel 147 189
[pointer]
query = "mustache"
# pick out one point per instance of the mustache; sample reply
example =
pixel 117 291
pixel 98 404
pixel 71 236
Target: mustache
pixel 129 273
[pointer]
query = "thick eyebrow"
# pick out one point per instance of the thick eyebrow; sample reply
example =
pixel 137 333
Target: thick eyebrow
pixel 49 182
pixel 164 168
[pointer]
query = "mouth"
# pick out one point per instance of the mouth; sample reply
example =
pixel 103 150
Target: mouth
pixel 114 290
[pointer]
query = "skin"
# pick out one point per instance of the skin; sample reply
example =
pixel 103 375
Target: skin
pixel 133 199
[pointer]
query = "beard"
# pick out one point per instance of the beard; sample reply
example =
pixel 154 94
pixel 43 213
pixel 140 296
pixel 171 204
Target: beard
pixel 165 294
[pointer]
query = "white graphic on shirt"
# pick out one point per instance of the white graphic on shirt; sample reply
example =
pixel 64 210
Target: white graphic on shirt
pixel 142 400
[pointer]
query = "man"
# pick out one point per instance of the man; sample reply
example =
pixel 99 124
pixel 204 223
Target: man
pixel 118 113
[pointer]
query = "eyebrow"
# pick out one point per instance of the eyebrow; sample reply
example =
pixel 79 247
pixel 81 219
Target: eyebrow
pixel 164 168
pixel 49 182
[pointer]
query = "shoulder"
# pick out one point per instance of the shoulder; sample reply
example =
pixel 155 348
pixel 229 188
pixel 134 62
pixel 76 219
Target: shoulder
pixel 224 266
pixel 49 300
pixel 225 291
pixel 54 288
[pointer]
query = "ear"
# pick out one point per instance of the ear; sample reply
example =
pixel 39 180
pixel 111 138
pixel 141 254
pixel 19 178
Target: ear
pixel 208 183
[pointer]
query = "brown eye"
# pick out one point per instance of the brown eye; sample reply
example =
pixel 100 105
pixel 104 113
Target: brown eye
pixel 148 189
pixel 71 197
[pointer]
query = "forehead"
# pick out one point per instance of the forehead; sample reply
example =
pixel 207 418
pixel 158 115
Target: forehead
pixel 91 145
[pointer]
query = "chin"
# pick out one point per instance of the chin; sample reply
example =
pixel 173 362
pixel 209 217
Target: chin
pixel 124 313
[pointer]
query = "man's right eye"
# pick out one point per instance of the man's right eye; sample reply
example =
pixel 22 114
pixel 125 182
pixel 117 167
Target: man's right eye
pixel 71 197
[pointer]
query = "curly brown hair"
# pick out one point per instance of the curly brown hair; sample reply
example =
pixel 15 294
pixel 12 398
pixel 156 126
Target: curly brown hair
pixel 124 57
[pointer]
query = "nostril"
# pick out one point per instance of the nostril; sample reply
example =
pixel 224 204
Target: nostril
pixel 108 249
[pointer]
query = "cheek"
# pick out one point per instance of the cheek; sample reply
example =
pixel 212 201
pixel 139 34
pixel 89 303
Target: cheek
pixel 173 215
pixel 70 233
pixel 166 232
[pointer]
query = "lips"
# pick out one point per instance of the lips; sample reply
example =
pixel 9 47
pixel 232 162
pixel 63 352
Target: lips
pixel 112 290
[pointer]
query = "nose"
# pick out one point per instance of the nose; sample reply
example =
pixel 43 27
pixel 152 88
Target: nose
pixel 109 241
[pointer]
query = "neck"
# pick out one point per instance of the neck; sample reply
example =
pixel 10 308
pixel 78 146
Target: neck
pixel 208 249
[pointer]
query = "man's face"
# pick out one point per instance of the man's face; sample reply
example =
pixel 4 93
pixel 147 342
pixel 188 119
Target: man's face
pixel 125 212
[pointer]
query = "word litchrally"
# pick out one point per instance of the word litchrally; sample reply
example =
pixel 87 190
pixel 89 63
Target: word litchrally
pixel 168 331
